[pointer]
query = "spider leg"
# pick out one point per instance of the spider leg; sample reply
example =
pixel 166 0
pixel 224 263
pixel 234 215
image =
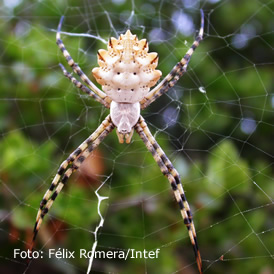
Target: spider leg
pixel 174 178
pixel 71 164
pixel 176 73
pixel 84 88
pixel 75 67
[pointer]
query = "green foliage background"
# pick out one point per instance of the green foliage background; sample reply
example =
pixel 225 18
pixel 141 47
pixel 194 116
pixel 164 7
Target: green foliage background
pixel 227 174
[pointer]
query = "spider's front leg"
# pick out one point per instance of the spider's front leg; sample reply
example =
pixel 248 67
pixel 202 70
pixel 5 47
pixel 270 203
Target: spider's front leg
pixel 174 178
pixel 71 164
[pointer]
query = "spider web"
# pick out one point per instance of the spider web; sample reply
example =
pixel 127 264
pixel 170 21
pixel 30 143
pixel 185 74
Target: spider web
pixel 215 125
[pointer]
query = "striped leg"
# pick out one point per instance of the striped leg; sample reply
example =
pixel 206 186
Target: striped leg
pixel 84 88
pixel 174 178
pixel 76 68
pixel 71 164
pixel 176 73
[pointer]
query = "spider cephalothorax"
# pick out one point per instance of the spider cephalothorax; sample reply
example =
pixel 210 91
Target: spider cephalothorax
pixel 126 72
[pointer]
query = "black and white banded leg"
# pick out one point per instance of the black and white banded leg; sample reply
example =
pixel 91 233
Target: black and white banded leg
pixel 84 88
pixel 176 73
pixel 71 164
pixel 174 178
pixel 76 68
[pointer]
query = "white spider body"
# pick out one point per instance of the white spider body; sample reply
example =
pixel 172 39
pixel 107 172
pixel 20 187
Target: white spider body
pixel 126 70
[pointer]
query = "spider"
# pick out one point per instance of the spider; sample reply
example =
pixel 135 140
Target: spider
pixel 126 73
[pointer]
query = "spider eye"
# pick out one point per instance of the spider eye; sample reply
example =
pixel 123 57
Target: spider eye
pixel 118 73
pixel 134 73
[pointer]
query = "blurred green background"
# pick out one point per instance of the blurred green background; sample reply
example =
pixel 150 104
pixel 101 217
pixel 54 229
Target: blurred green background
pixel 216 126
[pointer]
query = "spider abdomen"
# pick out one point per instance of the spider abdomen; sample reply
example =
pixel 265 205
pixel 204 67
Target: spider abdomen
pixel 127 70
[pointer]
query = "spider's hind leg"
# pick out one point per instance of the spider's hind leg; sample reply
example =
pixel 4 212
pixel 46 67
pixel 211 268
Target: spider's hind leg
pixel 76 68
pixel 176 73
pixel 83 87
